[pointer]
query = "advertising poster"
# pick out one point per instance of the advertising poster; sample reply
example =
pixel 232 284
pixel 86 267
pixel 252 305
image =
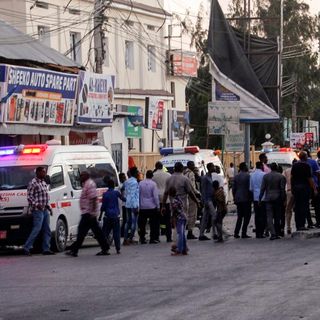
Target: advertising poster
pixel 133 124
pixel 223 112
pixel 184 64
pixel 223 117
pixel 95 99
pixel 301 140
pixel 155 108
pixel 179 125
pixel 37 96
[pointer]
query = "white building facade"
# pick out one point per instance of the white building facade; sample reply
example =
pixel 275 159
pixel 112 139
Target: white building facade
pixel 135 51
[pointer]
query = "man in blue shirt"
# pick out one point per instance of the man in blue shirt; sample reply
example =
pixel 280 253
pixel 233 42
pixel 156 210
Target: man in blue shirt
pixel 131 187
pixel 259 209
pixel 110 207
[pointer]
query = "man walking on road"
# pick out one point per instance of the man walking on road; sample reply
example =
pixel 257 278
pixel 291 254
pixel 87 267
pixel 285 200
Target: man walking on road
pixel 259 208
pixel 242 198
pixel 149 209
pixel 89 213
pixel 38 198
pixel 160 177
pixel 192 206
pixel 302 185
pixel 273 191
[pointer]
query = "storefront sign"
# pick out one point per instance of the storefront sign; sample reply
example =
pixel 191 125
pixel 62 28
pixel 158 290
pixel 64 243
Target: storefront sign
pixel 95 99
pixel 37 96
pixel 184 64
pixel 154 113
pixel 234 142
pixel 133 123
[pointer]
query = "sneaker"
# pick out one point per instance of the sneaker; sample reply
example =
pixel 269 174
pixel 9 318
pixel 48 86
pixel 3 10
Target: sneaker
pixel 48 253
pixel 203 238
pixel 27 252
pixel 71 253
pixel 191 236
pixel 103 253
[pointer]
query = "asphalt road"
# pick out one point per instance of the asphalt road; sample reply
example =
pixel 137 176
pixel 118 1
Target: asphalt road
pixel 243 279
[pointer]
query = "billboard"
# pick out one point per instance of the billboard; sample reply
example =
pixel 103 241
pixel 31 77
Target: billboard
pixel 300 140
pixel 223 117
pixel 95 99
pixel 154 113
pixel 37 96
pixel 133 124
pixel 184 64
pixel 179 124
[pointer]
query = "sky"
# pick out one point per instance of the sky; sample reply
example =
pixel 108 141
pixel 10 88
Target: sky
pixel 193 5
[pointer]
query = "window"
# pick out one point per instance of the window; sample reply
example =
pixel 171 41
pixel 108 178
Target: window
pixel 150 27
pixel 41 4
pixel 106 51
pixel 152 58
pixel 74 12
pixel 129 55
pixel 14 178
pixel 99 172
pixel 75 46
pixel 44 35
pixel 56 178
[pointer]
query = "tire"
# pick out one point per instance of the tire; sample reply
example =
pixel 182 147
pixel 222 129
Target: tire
pixel 60 236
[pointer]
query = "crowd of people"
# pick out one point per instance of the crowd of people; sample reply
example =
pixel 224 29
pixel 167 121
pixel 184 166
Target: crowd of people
pixel 172 203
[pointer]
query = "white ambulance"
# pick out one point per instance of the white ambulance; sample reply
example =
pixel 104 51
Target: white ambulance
pixel 282 157
pixel 200 157
pixel 63 165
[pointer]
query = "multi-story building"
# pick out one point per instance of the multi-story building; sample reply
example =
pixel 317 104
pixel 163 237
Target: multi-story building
pixel 134 49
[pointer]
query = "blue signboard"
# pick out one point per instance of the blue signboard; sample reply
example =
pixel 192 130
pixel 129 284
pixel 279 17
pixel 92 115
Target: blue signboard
pixel 38 96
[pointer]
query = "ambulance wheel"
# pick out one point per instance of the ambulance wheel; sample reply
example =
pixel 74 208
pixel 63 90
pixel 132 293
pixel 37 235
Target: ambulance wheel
pixel 60 236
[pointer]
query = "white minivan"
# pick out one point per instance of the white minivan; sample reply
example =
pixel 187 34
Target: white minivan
pixel 200 157
pixel 63 165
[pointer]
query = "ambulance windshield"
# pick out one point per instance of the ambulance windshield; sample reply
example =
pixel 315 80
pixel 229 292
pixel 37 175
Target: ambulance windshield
pixel 15 178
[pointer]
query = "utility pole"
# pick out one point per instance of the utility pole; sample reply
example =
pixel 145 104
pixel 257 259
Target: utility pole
pixel 99 8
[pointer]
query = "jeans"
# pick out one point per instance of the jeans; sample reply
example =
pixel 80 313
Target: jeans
pixel 114 225
pixel 301 195
pixel 260 218
pixel 182 242
pixel 244 215
pixel 86 223
pixel 41 223
pixel 131 223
